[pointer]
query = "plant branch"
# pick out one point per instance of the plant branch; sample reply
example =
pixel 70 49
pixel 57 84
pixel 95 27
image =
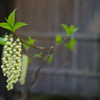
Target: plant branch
pixel 35 56
pixel 36 47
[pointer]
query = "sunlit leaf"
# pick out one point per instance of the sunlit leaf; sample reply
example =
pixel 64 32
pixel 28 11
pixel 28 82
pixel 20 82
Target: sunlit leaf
pixel 29 60
pixel 2 42
pixel 11 18
pixel 58 38
pixel 18 25
pixel 50 58
pixel 76 29
pixel 39 54
pixel 26 47
pixel 10 25
pixel 71 44
pixel 5 25
pixel 69 30
pixel 31 41
pixel 65 28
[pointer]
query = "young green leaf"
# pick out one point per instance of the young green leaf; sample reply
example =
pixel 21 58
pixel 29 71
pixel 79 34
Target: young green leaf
pixel 39 54
pixel 29 60
pixel 2 42
pixel 10 25
pixel 65 28
pixel 18 25
pixel 58 39
pixel 69 30
pixel 50 58
pixel 72 29
pixel 11 18
pixel 31 41
pixel 71 44
pixel 26 47
pixel 76 29
pixel 5 25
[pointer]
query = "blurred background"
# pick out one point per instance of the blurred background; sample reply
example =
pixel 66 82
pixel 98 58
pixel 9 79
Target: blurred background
pixel 75 73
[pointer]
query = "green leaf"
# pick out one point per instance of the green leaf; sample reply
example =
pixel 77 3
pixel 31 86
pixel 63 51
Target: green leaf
pixel 31 41
pixel 71 44
pixel 39 54
pixel 5 25
pixel 69 30
pixel 11 18
pixel 76 29
pixel 65 28
pixel 29 60
pixel 58 39
pixel 2 42
pixel 50 58
pixel 26 47
pixel 18 25
pixel 10 25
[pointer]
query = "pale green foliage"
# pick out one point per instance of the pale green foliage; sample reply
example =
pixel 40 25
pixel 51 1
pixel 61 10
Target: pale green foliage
pixel 58 39
pixel 11 19
pixel 69 30
pixel 71 44
pixel 39 54
pixel 2 42
pixel 10 24
pixel 29 60
pixel 50 58
pixel 5 25
pixel 30 41
pixel 18 25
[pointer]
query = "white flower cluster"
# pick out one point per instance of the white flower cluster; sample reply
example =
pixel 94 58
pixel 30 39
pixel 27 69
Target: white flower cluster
pixel 23 69
pixel 11 61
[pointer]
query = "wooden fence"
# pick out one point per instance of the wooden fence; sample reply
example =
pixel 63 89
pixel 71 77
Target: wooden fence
pixel 71 73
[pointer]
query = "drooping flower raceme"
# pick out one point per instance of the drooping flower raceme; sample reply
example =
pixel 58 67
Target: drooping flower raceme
pixel 7 54
pixel 16 59
pixel 23 69
pixel 11 61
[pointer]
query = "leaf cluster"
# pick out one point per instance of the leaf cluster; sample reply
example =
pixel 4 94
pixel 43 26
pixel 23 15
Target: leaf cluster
pixel 30 41
pixel 10 23
pixel 69 31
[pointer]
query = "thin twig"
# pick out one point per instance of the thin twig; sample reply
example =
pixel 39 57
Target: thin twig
pixel 35 56
pixel 36 47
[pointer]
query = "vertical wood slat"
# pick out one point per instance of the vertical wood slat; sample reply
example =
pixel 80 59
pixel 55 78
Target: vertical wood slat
pixel 76 12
